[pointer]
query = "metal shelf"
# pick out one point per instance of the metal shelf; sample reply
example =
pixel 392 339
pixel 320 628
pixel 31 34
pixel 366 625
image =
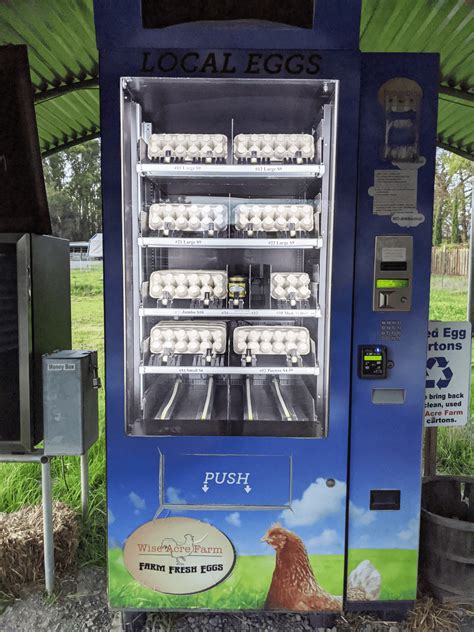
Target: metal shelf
pixel 203 170
pixel 219 242
pixel 229 370
pixel 231 313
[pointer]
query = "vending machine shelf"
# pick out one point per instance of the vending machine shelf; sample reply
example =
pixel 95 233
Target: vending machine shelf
pixel 204 170
pixel 235 428
pixel 229 370
pixel 219 242
pixel 230 313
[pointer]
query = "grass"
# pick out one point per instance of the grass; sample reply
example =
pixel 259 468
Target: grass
pixel 20 484
pixel 247 586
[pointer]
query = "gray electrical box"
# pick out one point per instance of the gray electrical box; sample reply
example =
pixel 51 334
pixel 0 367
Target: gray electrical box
pixel 70 402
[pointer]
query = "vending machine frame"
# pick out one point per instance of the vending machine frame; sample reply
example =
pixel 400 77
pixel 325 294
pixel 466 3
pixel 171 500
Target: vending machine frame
pixel 328 485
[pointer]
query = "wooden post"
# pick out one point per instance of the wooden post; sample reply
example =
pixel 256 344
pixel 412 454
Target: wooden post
pixel 429 459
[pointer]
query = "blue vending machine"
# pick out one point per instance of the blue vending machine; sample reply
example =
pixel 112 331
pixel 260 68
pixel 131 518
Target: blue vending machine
pixel 267 229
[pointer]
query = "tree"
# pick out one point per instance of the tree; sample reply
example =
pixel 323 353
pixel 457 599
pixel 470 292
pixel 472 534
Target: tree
pixel 452 207
pixel 73 187
pixel 438 229
pixel 455 236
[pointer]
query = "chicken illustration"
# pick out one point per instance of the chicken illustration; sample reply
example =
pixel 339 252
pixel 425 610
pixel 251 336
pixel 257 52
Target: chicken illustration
pixel 180 550
pixel 294 585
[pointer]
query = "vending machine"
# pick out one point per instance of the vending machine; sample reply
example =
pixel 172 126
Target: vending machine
pixel 267 228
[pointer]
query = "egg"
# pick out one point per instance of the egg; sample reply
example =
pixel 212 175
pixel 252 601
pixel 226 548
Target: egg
pixel 278 347
pixel 268 223
pixel 181 223
pixel 169 222
pixel 304 292
pixel 181 346
pixel 240 347
pixel 193 346
pixel 280 223
pixel 180 279
pixel 279 292
pixel 181 291
pixel 265 347
pixel 169 289
pixel 302 348
pixel 194 223
pixel 193 279
pixel 194 291
pixel 219 291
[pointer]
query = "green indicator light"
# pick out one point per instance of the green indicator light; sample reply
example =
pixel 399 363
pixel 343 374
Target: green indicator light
pixel 384 283
pixel 372 357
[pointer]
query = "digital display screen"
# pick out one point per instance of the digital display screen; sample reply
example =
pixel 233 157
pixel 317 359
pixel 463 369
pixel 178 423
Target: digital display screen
pixel 396 283
pixel 374 358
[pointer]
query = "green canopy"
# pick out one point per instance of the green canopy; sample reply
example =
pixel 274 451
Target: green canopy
pixel 64 64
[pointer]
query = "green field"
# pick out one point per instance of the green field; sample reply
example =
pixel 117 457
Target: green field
pixel 21 484
pixel 247 586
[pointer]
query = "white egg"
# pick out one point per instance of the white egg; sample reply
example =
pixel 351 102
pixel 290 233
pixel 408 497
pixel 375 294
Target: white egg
pixel 279 292
pixel 219 291
pixel 280 223
pixel 254 334
pixel 240 347
pixel 181 346
pixel 278 347
pixel 194 291
pixel 306 223
pixel 304 292
pixel 293 220
pixel 194 223
pixel 181 223
pixel 278 279
pixel 290 346
pixel 292 280
pixel 302 348
pixel 217 347
pixel 181 291
pixel 193 279
pixel 156 346
pixel 180 279
pixel 265 347
pixel 303 335
pixel 279 335
pixel 253 346
pixel 290 335
pixel 268 223
pixel 266 335
pixel 193 346
pixel 193 334
pixel 256 221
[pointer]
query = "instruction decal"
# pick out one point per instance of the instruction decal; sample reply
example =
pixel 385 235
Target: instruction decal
pixel 448 374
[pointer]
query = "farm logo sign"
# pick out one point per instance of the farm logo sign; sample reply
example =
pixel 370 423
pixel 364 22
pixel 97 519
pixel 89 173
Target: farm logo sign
pixel 179 556
pixel 448 374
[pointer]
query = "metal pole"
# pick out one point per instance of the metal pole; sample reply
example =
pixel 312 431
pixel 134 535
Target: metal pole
pixel 47 524
pixel 470 286
pixel 84 485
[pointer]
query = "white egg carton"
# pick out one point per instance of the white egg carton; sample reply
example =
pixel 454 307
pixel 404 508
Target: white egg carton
pixel 290 286
pixel 273 218
pixel 271 340
pixel 188 337
pixel 187 147
pixel 188 284
pixel 188 217
pixel 274 147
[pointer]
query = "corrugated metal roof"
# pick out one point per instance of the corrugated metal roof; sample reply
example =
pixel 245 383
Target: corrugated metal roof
pixel 444 26
pixel 64 67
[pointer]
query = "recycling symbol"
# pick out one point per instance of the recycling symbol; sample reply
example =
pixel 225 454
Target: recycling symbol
pixel 438 368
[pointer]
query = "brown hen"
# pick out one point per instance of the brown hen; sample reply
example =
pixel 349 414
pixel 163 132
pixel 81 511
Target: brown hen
pixel 294 586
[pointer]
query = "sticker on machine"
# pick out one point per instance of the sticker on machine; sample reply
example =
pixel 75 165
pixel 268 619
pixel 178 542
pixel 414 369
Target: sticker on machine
pixel 448 374
pixel 179 556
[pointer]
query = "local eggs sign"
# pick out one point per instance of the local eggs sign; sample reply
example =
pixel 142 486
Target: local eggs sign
pixel 179 556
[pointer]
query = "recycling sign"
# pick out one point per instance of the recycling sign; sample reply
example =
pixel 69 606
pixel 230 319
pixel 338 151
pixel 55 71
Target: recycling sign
pixel 448 374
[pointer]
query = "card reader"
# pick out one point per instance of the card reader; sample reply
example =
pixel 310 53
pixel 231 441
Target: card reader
pixel 372 362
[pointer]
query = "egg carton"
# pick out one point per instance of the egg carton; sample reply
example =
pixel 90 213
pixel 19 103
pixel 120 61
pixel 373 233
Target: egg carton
pixel 187 147
pixel 274 147
pixel 188 217
pixel 188 337
pixel 271 340
pixel 290 286
pixel 188 284
pixel 273 218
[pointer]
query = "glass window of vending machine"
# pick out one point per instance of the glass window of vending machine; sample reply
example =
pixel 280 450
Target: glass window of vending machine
pixel 227 213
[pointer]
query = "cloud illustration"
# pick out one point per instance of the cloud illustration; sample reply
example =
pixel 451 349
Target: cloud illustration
pixel 234 519
pixel 321 543
pixel 317 502
pixel 137 501
pixel 359 516
pixel 110 517
pixel 409 536
pixel 174 497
